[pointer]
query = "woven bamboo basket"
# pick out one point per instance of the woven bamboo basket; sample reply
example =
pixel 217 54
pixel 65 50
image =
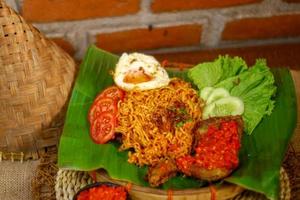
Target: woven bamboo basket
pixel 35 81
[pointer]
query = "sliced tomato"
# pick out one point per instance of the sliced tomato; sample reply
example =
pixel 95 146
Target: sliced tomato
pixel 104 104
pixel 102 128
pixel 112 92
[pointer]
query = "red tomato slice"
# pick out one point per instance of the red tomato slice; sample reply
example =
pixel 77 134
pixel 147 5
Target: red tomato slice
pixel 102 105
pixel 112 92
pixel 102 128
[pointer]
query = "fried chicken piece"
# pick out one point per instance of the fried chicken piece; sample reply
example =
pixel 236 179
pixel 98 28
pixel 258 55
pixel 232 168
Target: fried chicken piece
pixel 215 149
pixel 201 127
pixel 161 172
pixel 189 167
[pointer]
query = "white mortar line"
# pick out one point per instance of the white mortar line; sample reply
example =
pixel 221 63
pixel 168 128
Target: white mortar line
pixel 226 45
pixel 145 7
pixel 213 29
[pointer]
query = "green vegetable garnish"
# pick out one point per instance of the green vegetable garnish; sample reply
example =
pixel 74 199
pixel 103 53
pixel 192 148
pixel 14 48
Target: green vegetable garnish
pixel 180 124
pixel 210 73
pixel 254 85
pixel 226 106
pixel 183 111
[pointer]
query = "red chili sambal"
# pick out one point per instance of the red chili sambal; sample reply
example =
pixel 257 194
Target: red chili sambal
pixel 217 148
pixel 104 192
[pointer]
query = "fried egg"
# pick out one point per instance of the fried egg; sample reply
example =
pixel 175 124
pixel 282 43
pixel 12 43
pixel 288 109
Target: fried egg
pixel 138 71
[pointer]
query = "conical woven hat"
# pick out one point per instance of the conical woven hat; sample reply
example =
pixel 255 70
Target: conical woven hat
pixel 35 82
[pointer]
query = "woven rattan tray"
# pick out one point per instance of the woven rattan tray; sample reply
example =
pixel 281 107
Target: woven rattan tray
pixel 68 182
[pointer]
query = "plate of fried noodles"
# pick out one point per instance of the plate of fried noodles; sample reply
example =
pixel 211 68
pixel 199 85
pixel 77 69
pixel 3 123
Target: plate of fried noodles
pixel 216 123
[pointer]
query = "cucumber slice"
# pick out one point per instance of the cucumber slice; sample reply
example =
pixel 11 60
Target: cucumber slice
pixel 205 92
pixel 208 111
pixel 224 107
pixel 216 94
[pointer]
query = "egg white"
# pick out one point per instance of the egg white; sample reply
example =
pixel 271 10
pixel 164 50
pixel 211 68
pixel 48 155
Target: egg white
pixel 137 61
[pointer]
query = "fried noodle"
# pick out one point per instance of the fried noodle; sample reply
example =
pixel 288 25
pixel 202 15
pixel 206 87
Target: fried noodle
pixel 142 121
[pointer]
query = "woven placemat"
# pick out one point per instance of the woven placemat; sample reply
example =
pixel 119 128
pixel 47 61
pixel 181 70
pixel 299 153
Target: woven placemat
pixel 15 178
pixel 68 182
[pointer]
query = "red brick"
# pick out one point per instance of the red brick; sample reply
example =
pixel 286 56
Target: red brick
pixel 65 45
pixel 60 10
pixel 261 28
pixel 292 1
pixel 277 55
pixel 141 39
pixel 174 5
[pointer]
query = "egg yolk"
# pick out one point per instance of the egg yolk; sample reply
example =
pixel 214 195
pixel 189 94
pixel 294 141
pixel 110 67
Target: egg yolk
pixel 136 77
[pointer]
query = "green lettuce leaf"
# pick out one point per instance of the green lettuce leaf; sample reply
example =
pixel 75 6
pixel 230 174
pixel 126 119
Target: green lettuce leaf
pixel 254 85
pixel 211 73
pixel 262 152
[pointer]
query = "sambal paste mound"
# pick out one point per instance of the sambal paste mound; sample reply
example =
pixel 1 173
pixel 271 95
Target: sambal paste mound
pixel 217 148
pixel 104 192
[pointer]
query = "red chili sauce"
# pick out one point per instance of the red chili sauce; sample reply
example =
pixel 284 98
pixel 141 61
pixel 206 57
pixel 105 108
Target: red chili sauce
pixel 103 192
pixel 218 148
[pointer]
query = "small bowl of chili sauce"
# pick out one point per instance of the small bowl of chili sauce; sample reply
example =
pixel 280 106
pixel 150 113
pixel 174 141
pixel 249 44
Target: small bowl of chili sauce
pixel 103 191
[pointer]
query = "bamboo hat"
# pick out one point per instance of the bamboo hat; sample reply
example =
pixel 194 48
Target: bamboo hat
pixel 35 81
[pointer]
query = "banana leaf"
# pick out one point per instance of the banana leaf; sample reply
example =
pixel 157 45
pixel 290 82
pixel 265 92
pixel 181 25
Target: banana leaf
pixel 261 154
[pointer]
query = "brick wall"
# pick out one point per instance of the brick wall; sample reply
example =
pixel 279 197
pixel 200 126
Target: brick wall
pixel 180 30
